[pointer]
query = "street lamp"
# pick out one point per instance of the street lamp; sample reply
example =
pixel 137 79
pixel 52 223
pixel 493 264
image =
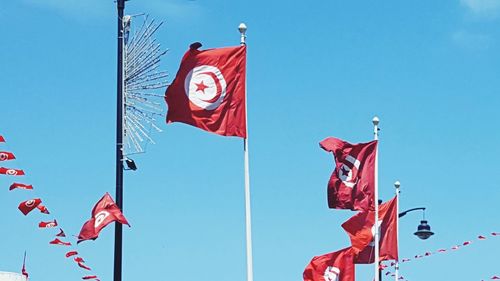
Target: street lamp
pixel 423 229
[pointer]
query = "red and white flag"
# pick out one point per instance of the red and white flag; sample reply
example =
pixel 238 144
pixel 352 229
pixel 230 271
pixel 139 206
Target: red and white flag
pixel 29 205
pixel 71 253
pixel 361 231
pixel 103 213
pixel 61 233
pixel 208 91
pixel 4 156
pixel 59 242
pixel 11 172
pixel 90 277
pixel 352 183
pixel 43 209
pixel 2 138
pixel 20 186
pixel 47 224
pixel 336 266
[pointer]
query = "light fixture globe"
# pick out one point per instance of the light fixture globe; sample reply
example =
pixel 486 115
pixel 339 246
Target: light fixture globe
pixel 423 230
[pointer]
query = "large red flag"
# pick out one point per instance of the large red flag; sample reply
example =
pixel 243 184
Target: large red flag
pixel 208 91
pixel 11 172
pixel 336 266
pixel 361 230
pixel 103 213
pixel 4 156
pixel 352 183
pixel 29 205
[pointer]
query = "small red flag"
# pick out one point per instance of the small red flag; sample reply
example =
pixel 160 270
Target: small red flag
pixel 336 266
pixel 11 172
pixel 495 233
pixel 29 205
pixel 481 237
pixel 208 91
pixel 88 277
pixel 79 259
pixel 361 231
pixel 352 183
pixel 43 209
pixel 2 139
pixel 71 253
pixel 467 243
pixel 61 233
pixel 20 186
pixel 59 242
pixel 103 213
pixel 47 224
pixel 4 156
pixel 441 250
pixel 495 277
pixel 82 265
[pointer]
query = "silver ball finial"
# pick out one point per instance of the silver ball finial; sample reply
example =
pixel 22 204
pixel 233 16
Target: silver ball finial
pixel 397 184
pixel 242 28
pixel 375 120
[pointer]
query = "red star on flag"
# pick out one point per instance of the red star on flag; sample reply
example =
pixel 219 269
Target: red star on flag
pixel 201 86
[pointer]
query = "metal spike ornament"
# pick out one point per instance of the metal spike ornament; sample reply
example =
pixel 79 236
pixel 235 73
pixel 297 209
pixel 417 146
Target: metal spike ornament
pixel 142 77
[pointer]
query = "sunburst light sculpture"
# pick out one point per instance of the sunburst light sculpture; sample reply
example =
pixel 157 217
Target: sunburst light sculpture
pixel 143 78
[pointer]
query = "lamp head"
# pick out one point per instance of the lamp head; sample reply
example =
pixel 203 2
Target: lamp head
pixel 424 230
pixel 130 164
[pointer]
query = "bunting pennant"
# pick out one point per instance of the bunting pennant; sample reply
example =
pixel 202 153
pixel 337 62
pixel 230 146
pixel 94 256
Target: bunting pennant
pixel 20 186
pixel 4 156
pixel 89 277
pixel 71 253
pixel 47 224
pixel 59 242
pixel 61 233
pixel 43 209
pixel 2 138
pixel 11 172
pixel 27 206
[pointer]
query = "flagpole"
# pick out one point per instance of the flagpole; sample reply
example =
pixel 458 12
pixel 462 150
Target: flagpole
pixel 397 184
pixel 248 212
pixel 376 236
pixel 117 274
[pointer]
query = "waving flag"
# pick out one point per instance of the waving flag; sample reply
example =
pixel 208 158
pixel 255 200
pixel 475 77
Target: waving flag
pixel 27 206
pixel 4 156
pixel 59 242
pixel 71 253
pixel 47 224
pixel 208 91
pixel 361 231
pixel 2 139
pixel 336 266
pixel 43 209
pixel 11 172
pixel 352 183
pixel 103 213
pixel 61 233
pixel 20 186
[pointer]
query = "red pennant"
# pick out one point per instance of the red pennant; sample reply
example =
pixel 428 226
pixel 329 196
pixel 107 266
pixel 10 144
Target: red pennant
pixel 79 259
pixel 455 247
pixel 59 242
pixel 208 91
pixel 88 277
pixel 20 186
pixel 103 213
pixel 427 254
pixel 467 243
pixel 481 237
pixel 82 265
pixel 71 253
pixel 337 266
pixel 495 277
pixel 495 233
pixel 11 172
pixel 47 224
pixel 405 260
pixel 441 250
pixel 43 209
pixel 2 138
pixel 4 156
pixel 27 206
pixel 351 185
pixel 61 233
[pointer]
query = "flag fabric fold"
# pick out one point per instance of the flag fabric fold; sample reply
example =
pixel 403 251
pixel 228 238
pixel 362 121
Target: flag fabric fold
pixel 361 231
pixel 336 266
pixel 352 183
pixel 208 91
pixel 103 213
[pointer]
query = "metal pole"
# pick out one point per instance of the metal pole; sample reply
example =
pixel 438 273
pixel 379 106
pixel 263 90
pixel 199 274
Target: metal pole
pixel 397 184
pixel 376 238
pixel 248 212
pixel 119 143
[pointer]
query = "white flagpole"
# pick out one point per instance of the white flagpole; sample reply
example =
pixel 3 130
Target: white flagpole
pixel 397 184
pixel 376 238
pixel 248 213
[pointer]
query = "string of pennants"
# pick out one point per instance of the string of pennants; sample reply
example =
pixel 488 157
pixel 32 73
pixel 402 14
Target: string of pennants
pixel 30 205
pixel 384 267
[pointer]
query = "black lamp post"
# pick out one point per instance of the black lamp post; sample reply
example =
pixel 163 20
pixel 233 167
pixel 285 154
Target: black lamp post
pixel 423 229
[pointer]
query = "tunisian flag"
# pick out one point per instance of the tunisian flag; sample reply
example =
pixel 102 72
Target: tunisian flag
pixel 208 91
pixel 29 205
pixel 352 183
pixel 4 156
pixel 105 212
pixel 361 231
pixel 11 172
pixel 336 266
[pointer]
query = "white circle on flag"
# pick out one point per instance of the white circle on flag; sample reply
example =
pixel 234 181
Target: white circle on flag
pixel 331 273
pixel 205 86
pixel 11 172
pixel 3 156
pixel 50 224
pixel 100 217
pixel 30 203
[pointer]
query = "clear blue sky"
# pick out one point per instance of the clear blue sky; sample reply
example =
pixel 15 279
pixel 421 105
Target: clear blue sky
pixel 428 69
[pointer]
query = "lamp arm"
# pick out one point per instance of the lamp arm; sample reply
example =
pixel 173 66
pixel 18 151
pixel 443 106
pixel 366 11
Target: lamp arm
pixel 402 214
